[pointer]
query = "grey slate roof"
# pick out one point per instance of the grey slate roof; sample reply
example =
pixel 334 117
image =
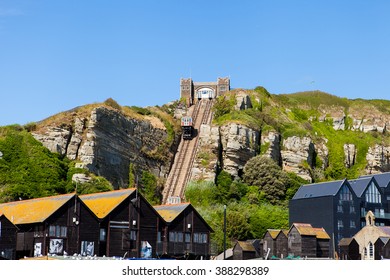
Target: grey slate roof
pixel 383 179
pixel 384 239
pixel 360 185
pixel 319 189
pixel 385 229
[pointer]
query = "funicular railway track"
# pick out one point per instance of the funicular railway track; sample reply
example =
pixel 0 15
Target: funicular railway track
pixel 181 169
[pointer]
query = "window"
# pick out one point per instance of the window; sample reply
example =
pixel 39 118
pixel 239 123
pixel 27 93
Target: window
pixel 159 236
pixel 205 93
pixel 175 236
pixel 340 224
pixel 58 231
pixel 200 237
pixel 372 194
pixel 120 224
pixel 179 237
pixel 102 235
pixel 381 213
pixel 63 231
pixel 345 194
pixel 339 208
pixel 369 251
pixel 351 209
pixel 188 237
pixel 352 224
pixel 133 235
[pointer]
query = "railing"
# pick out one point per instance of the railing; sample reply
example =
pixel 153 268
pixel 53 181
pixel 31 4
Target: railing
pixel 377 215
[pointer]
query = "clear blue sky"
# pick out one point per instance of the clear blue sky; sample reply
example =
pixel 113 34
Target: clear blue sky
pixel 59 54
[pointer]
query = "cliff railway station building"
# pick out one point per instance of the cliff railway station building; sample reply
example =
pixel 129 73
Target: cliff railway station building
pixel 193 92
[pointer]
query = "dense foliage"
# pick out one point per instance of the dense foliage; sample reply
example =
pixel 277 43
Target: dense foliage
pixel 308 114
pixel 29 170
pixel 254 204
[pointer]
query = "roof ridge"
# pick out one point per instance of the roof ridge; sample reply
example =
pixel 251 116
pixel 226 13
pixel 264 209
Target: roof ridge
pixel 174 204
pixel 120 190
pixel 36 199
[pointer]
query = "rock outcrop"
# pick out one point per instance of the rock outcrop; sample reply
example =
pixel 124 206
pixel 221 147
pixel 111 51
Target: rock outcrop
pixel 243 101
pixel 335 113
pixel 270 143
pixel 349 155
pixel 206 161
pixel 238 144
pixel 378 159
pixel 107 142
pixel 370 119
pixel 228 147
pixel 298 153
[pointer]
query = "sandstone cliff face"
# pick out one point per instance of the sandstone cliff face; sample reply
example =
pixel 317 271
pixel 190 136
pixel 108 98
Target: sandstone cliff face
pixel 228 147
pixel 349 155
pixel 238 144
pixel 207 156
pixel 371 119
pixel 272 141
pixel 378 159
pixel 107 142
pixel 296 153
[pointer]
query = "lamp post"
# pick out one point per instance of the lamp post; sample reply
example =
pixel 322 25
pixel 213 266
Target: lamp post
pixel 224 232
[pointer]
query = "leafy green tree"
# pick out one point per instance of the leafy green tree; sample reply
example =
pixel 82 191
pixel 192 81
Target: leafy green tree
pixel 266 216
pixel 132 176
pixel 293 184
pixel 97 184
pixel 149 188
pixel 237 190
pixel 221 191
pixel 223 105
pixel 264 173
pixel 237 222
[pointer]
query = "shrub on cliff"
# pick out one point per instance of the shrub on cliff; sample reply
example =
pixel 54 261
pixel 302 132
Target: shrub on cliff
pixel 27 168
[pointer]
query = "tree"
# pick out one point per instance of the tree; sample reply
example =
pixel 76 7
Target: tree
pixel 97 184
pixel 223 105
pixel 221 190
pixel 264 173
pixel 132 180
pixel 150 189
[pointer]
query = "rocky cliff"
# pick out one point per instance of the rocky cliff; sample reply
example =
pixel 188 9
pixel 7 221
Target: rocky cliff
pixel 305 133
pixel 105 141
pixel 307 137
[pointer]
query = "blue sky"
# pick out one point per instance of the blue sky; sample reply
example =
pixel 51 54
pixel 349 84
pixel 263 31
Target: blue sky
pixel 56 55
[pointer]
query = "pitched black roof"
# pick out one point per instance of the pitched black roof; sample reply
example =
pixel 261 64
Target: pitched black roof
pixel 361 184
pixel 383 179
pixel 319 189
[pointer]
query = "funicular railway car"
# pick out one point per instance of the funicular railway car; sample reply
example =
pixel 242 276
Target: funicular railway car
pixel 187 127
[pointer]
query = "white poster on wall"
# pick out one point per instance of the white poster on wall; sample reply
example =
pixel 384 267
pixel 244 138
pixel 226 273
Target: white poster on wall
pixel 87 248
pixel 37 249
pixel 56 246
pixel 146 250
